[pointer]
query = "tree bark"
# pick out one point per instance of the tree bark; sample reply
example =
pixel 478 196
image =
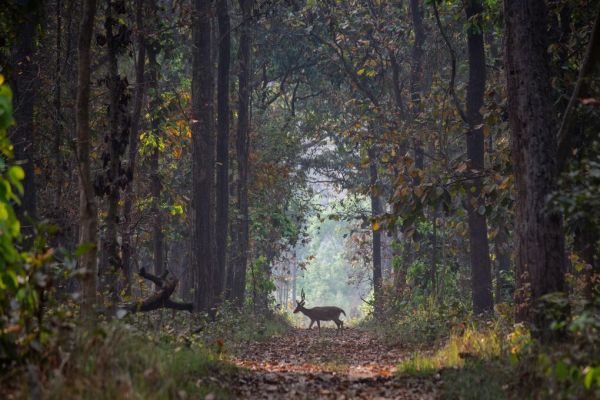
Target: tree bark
pixel 222 201
pixel 203 154
pixel 138 102
pixel 22 135
pixel 117 142
pixel 540 249
pixel 242 147
pixel 155 183
pixel 88 221
pixel 376 211
pixel 481 267
pixel 58 127
pixel 416 74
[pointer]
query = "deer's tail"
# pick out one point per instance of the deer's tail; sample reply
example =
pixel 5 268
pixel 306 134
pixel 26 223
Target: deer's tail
pixel 343 312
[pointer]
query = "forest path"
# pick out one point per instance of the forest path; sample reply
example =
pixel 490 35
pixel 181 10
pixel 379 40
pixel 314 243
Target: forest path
pixel 304 365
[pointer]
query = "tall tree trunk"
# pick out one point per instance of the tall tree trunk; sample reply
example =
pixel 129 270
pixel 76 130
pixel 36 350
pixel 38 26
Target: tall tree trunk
pixel 88 211
pixel 376 211
pixel 242 147
pixel 22 135
pixel 155 183
pixel 481 267
pixel 416 73
pixel 58 127
pixel 203 154
pixel 138 102
pixel 117 142
pixel 222 201
pixel 540 249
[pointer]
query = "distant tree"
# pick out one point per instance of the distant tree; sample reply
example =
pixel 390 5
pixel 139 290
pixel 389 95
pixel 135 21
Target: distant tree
pixel 24 83
pixel 479 249
pixel 138 103
pixel 88 210
pixel 222 200
pixel 202 155
pixel 243 149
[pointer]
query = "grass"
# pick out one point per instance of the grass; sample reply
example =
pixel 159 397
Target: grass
pixel 470 364
pixel 120 362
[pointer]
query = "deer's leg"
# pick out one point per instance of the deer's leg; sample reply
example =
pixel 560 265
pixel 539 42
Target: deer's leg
pixel 319 325
pixel 312 321
pixel 337 324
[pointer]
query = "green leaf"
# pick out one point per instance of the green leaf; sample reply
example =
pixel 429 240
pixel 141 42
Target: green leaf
pixel 561 371
pixel 84 248
pixel 15 174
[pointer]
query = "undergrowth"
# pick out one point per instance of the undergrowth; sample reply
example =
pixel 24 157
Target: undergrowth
pixel 498 359
pixel 156 355
pixel 119 361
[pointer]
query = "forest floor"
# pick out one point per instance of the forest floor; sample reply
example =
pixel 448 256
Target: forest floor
pixel 303 365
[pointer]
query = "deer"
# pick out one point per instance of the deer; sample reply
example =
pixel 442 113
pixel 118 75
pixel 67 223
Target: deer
pixel 318 314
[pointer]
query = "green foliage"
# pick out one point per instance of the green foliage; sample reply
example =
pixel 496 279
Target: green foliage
pixel 511 362
pixel 259 285
pixel 20 277
pixel 421 323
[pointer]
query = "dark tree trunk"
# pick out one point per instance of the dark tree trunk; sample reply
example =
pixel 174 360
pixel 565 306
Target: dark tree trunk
pixel 222 147
pixel 88 218
pixel 481 275
pixel 22 135
pixel 540 249
pixel 138 102
pixel 58 127
pixel 155 183
pixel 117 143
pixel 203 155
pixel 376 211
pixel 416 74
pixel 242 147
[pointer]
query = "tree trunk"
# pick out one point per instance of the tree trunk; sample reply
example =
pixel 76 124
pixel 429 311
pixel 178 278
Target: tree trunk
pixel 242 146
pixel 203 154
pixel 117 143
pixel 222 147
pixel 58 127
pixel 416 74
pixel 138 102
pixel 22 135
pixel 481 275
pixel 87 202
pixel 155 183
pixel 376 212
pixel 540 249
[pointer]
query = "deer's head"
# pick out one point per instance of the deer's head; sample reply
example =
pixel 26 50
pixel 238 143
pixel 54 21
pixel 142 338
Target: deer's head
pixel 300 304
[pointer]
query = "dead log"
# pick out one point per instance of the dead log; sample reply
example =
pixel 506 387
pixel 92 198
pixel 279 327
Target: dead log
pixel 161 298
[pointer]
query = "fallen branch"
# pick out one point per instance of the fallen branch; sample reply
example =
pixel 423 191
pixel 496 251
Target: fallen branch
pixel 160 298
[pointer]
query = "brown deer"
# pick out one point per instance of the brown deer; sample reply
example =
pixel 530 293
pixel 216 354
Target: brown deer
pixel 319 314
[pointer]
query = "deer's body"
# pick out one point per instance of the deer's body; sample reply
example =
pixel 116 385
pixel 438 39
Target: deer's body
pixel 318 314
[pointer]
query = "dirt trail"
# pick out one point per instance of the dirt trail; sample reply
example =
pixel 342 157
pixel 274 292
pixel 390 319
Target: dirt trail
pixel 303 365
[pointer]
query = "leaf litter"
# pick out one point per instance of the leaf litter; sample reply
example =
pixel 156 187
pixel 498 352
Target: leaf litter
pixel 303 365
